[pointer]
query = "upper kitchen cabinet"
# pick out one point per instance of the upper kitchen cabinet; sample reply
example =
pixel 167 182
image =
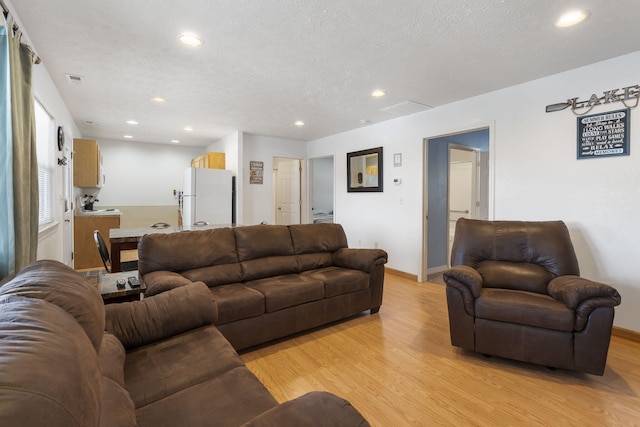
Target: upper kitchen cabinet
pixel 209 160
pixel 87 164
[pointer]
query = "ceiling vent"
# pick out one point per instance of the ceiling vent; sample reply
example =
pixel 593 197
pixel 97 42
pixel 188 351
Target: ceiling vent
pixel 74 79
pixel 89 122
pixel 406 108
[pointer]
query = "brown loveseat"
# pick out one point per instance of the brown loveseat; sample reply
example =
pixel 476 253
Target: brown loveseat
pixel 514 291
pixel 268 281
pixel 162 363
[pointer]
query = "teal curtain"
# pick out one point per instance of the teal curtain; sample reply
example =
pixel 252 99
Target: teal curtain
pixel 19 173
pixel 7 235
pixel 25 161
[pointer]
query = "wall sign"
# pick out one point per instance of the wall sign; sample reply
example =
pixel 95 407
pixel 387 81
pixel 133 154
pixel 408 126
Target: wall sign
pixel 256 172
pixel 604 134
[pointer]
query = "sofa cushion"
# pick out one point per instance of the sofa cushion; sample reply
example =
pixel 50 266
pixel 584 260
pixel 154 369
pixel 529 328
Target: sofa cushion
pixel 116 409
pixel 269 266
pixel 111 357
pixel 339 281
pixel 527 308
pixel 158 370
pixel 314 261
pixel 186 250
pixel 228 399
pixel 288 290
pixel 49 369
pixel 58 284
pixel 310 238
pixel 237 301
pixel 216 274
pixel 260 241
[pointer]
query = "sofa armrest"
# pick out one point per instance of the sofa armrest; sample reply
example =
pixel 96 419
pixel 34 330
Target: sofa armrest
pixel 170 313
pixel 162 281
pixel 316 408
pixel 572 291
pixel 359 259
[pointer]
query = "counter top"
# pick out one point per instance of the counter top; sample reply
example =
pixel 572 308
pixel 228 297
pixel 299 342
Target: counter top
pixel 99 212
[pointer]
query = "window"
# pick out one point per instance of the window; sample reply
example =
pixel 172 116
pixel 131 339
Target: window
pixel 45 143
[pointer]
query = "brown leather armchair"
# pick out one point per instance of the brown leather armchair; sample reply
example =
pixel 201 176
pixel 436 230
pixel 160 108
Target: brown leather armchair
pixel 514 291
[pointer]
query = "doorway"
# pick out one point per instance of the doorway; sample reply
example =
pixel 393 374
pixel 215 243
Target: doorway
pixel 456 179
pixel 321 189
pixel 287 200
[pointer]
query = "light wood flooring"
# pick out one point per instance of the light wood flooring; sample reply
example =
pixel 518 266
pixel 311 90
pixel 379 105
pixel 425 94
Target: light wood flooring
pixel 398 368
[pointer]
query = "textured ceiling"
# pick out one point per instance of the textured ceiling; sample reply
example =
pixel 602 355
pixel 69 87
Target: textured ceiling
pixel 266 64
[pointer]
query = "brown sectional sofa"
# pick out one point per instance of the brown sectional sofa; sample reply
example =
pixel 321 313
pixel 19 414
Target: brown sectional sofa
pixel 161 363
pixel 268 281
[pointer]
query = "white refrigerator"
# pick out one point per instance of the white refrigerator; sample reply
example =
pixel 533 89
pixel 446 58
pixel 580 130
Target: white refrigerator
pixel 206 196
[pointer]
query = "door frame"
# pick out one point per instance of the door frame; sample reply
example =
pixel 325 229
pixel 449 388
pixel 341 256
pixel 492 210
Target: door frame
pixel 490 126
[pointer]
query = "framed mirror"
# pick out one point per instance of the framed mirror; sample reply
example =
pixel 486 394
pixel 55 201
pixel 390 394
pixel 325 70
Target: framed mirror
pixel 364 171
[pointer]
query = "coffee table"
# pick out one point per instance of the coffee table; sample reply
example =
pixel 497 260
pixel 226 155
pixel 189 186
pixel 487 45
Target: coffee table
pixel 111 293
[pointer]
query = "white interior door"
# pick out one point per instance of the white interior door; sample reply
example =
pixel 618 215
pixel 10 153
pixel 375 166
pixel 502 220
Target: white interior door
pixel 287 197
pixel 463 194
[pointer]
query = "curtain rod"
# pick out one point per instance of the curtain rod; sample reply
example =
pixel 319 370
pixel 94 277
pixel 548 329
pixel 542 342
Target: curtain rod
pixel 6 12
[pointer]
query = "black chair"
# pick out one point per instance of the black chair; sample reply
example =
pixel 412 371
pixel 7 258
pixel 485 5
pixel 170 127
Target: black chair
pixel 106 258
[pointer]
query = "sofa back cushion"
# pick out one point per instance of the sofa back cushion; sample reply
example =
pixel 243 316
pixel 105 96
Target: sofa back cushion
pixel 522 255
pixel 49 368
pixel 265 251
pixel 186 250
pixel 58 284
pixel 314 244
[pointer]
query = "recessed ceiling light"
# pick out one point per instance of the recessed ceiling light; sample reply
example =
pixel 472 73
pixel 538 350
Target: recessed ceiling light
pixel 299 123
pixel 188 128
pixel 572 18
pixel 175 141
pixel 132 122
pixel 365 121
pixel 159 100
pixel 128 136
pixel 190 39
pixel 378 93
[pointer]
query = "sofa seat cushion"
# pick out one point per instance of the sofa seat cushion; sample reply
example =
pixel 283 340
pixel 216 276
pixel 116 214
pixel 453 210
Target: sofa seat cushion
pixel 526 308
pixel 288 290
pixel 229 399
pixel 116 407
pixel 339 281
pixel 237 301
pixel 158 370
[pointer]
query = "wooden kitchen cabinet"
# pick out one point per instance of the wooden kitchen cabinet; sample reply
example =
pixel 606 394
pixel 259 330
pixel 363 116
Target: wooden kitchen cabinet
pixel 87 164
pixel 85 252
pixel 209 160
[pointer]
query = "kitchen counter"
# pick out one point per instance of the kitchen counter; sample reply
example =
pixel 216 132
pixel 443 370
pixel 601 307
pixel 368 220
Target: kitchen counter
pixel 99 212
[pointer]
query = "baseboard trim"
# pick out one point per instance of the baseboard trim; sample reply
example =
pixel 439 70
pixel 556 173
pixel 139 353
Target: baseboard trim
pixel 626 334
pixel 401 274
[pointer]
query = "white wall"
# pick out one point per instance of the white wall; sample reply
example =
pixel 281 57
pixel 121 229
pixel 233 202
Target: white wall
pixel 257 198
pixel 50 241
pixel 535 175
pixel 143 174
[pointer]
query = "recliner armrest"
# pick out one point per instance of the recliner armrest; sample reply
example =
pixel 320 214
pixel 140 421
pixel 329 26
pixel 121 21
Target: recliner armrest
pixel 466 276
pixel 312 409
pixel 574 290
pixel 583 296
pixel 170 313
pixel 359 259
